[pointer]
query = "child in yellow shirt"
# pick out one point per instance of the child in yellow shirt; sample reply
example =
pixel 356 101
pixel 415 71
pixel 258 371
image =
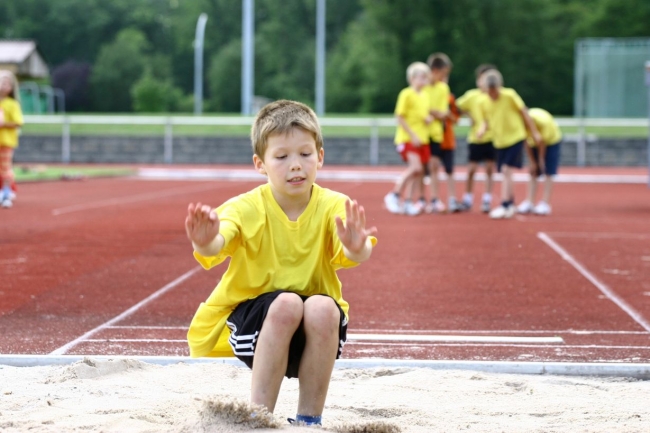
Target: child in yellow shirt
pixel 11 118
pixel 507 117
pixel 480 151
pixel 279 306
pixel 411 140
pixel 544 159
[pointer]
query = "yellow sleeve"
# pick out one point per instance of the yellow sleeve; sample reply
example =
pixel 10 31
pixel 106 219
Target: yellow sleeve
pixel 516 99
pixel 339 260
pixel 402 106
pixel 463 102
pixel 230 229
pixel 15 114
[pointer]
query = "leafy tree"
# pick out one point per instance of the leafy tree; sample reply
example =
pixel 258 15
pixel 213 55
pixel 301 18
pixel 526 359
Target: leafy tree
pixel 119 65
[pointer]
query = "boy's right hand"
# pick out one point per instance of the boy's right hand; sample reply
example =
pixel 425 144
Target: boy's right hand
pixel 201 224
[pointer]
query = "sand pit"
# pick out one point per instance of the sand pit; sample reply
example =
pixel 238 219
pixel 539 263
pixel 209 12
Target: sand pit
pixel 132 396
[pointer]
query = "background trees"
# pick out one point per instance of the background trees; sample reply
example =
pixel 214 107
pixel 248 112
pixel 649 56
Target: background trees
pixel 128 55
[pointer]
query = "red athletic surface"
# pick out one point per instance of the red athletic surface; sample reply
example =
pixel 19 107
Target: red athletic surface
pixel 65 270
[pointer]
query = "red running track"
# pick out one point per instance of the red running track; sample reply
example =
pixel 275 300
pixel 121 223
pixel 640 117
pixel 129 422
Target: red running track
pixel 77 260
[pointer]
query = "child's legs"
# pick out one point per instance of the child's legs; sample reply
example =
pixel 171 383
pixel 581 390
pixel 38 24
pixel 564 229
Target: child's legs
pixel 507 187
pixel 552 162
pixel 321 322
pixel 471 171
pixel 532 188
pixel 489 171
pixel 548 188
pixel 413 170
pixel 434 165
pixel 448 161
pixel 272 348
pixel 6 171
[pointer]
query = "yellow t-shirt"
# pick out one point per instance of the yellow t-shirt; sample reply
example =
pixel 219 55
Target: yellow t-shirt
pixel 505 119
pixel 439 101
pixel 547 127
pixel 471 103
pixel 268 253
pixel 12 114
pixel 413 107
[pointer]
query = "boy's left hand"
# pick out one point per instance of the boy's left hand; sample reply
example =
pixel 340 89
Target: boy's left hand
pixel 353 233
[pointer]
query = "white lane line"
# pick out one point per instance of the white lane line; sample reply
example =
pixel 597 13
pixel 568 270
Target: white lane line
pixel 147 327
pixel 614 297
pixel 134 198
pixel 497 331
pixel 597 235
pixel 367 176
pixel 455 338
pixel 551 346
pixel 64 349
pixel 402 339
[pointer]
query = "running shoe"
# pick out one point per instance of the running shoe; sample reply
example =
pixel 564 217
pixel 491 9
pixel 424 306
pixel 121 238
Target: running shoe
pixel 412 209
pixel 436 206
pixel 525 207
pixel 502 212
pixel 542 208
pixel 392 202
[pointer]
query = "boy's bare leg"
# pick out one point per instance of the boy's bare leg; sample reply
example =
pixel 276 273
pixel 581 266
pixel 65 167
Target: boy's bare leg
pixel 321 323
pixel 507 188
pixel 434 165
pixel 489 170
pixel 414 168
pixel 451 186
pixel 272 349
pixel 548 189
pixel 471 171
pixel 532 188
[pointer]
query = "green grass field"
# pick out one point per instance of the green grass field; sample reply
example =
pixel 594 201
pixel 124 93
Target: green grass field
pixel 243 131
pixel 40 172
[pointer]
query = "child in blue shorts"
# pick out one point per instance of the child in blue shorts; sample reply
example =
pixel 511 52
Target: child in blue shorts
pixel 544 159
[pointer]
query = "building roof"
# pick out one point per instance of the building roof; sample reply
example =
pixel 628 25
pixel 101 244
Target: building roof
pixel 16 51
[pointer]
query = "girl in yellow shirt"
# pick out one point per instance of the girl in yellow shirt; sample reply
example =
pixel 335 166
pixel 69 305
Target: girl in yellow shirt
pixel 11 118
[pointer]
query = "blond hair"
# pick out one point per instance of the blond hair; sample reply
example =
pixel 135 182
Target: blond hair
pixel 416 68
pixel 15 92
pixel 280 117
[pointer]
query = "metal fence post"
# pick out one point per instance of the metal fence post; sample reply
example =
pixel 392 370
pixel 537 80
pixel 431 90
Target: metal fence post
pixel 374 143
pixel 169 141
pixel 65 141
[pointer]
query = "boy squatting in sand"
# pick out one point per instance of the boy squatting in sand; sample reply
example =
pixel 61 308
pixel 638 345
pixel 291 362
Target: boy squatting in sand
pixel 279 303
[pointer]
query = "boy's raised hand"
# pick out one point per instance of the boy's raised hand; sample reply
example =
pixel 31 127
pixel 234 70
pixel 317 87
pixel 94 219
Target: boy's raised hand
pixel 353 234
pixel 201 224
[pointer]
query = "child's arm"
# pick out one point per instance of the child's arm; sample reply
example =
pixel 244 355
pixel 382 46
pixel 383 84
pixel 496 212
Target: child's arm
pixel 8 125
pixel 530 125
pixel 202 228
pixel 482 130
pixel 415 141
pixel 353 234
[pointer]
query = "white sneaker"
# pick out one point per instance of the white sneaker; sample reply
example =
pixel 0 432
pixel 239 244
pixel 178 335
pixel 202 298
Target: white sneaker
pixel 485 206
pixel 525 207
pixel 393 204
pixel 542 208
pixel 436 206
pixel 6 203
pixel 12 195
pixel 454 206
pixel 412 209
pixel 502 212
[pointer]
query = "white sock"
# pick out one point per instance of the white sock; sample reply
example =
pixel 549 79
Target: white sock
pixel 487 197
pixel 468 198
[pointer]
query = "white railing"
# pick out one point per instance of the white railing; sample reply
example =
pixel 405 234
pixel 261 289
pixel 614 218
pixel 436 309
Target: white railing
pixel 373 124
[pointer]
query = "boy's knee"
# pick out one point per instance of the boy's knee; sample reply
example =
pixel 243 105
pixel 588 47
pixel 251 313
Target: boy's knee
pixel 287 309
pixel 321 314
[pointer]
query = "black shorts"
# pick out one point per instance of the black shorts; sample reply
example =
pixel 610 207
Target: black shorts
pixel 245 324
pixel 446 156
pixel 481 152
pixel 511 156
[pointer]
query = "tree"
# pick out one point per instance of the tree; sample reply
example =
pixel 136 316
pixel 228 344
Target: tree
pixel 119 65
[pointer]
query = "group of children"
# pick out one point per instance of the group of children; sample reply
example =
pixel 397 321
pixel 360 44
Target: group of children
pixel 11 119
pixel 502 126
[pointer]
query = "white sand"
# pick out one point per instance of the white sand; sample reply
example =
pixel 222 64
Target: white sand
pixel 131 396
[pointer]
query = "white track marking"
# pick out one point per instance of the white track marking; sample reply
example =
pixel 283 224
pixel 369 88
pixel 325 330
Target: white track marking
pixel 454 338
pixel 550 346
pixel 499 331
pixel 63 349
pixel 366 176
pixel 132 340
pixel 134 198
pixel 597 235
pixel 434 331
pixel 609 293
